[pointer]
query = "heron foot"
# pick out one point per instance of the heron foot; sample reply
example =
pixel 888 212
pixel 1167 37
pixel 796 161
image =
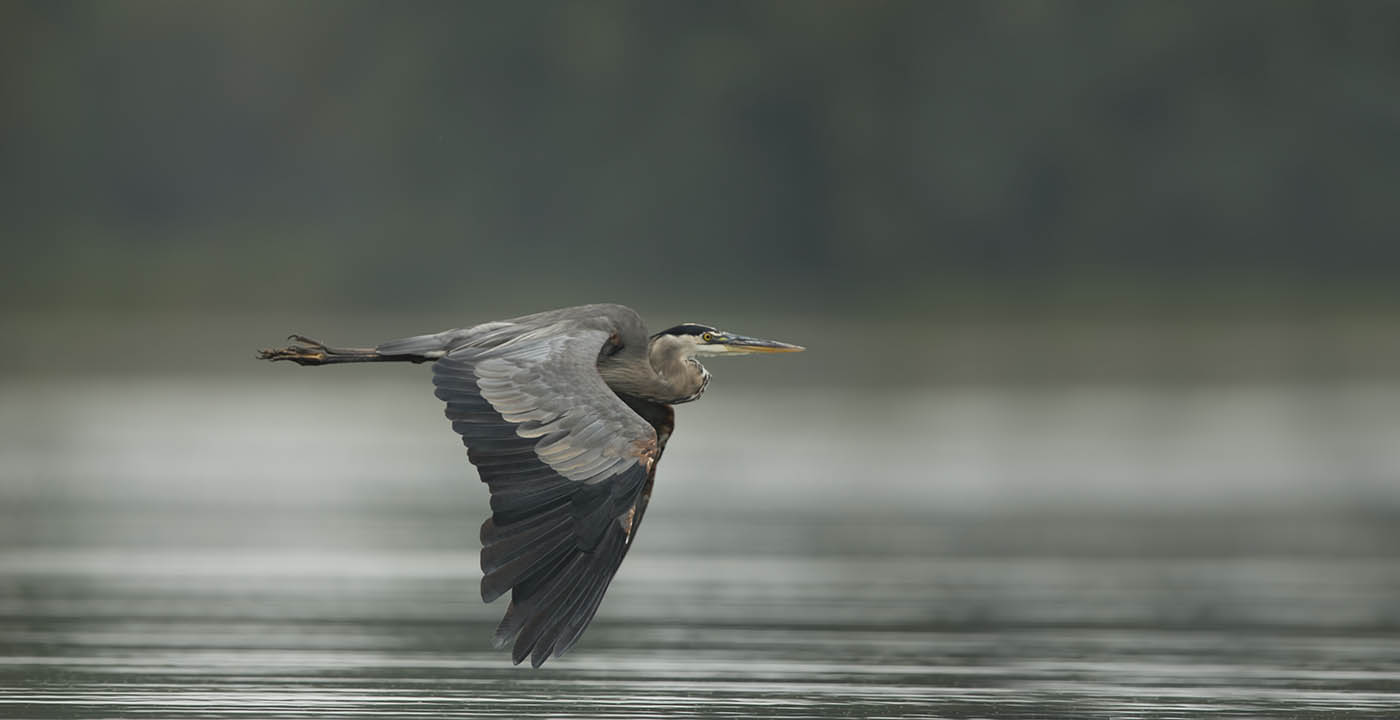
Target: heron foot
pixel 309 351
pixel 313 353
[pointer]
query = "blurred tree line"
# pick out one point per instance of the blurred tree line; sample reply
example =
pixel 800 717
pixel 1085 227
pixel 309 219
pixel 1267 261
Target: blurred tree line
pixel 861 154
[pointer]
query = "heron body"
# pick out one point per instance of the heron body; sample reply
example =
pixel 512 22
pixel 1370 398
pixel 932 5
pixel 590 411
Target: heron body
pixel 565 415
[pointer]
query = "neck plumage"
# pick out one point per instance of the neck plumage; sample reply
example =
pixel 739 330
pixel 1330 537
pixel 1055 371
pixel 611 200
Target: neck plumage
pixel 665 372
pixel 674 361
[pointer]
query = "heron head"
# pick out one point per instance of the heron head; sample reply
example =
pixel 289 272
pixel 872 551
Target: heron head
pixel 706 341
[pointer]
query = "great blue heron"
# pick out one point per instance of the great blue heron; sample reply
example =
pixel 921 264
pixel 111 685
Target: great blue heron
pixel 565 414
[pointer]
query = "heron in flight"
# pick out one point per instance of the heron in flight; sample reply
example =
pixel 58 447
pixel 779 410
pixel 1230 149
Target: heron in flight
pixel 565 414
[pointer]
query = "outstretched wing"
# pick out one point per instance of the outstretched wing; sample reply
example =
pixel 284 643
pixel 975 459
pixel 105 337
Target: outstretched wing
pixel 567 463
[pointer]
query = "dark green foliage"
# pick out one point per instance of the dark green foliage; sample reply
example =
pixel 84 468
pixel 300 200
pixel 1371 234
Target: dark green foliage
pixel 374 154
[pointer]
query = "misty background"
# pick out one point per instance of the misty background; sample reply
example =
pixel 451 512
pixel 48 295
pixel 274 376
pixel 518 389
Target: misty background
pixel 1045 256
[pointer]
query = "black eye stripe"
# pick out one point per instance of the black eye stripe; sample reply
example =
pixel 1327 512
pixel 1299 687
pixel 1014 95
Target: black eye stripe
pixel 687 329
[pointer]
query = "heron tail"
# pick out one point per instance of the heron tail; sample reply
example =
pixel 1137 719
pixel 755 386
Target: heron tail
pixel 314 352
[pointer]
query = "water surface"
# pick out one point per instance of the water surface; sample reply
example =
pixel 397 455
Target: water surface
pixel 197 548
pixel 142 632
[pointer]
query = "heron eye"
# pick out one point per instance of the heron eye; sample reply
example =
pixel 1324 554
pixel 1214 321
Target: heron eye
pixel 707 337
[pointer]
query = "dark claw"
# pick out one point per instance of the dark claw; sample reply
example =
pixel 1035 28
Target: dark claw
pixel 307 340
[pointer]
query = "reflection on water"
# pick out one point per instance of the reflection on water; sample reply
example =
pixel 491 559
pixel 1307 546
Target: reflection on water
pixel 395 633
pixel 306 546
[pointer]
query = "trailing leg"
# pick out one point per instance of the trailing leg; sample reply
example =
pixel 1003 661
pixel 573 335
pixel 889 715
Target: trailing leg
pixel 315 352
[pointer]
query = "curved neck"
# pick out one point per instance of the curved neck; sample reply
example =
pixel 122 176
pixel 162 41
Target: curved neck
pixel 665 371
pixel 682 377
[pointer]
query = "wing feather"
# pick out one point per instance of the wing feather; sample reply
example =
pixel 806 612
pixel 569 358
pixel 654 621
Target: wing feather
pixel 566 460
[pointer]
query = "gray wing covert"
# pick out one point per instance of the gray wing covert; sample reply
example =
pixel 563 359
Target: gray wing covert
pixel 566 462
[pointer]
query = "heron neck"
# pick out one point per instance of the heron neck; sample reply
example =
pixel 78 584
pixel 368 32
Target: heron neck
pixel 682 377
pixel 664 376
pixel 676 375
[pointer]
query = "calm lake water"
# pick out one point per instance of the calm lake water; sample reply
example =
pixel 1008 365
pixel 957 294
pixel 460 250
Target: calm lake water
pixel 189 549
pixel 999 632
